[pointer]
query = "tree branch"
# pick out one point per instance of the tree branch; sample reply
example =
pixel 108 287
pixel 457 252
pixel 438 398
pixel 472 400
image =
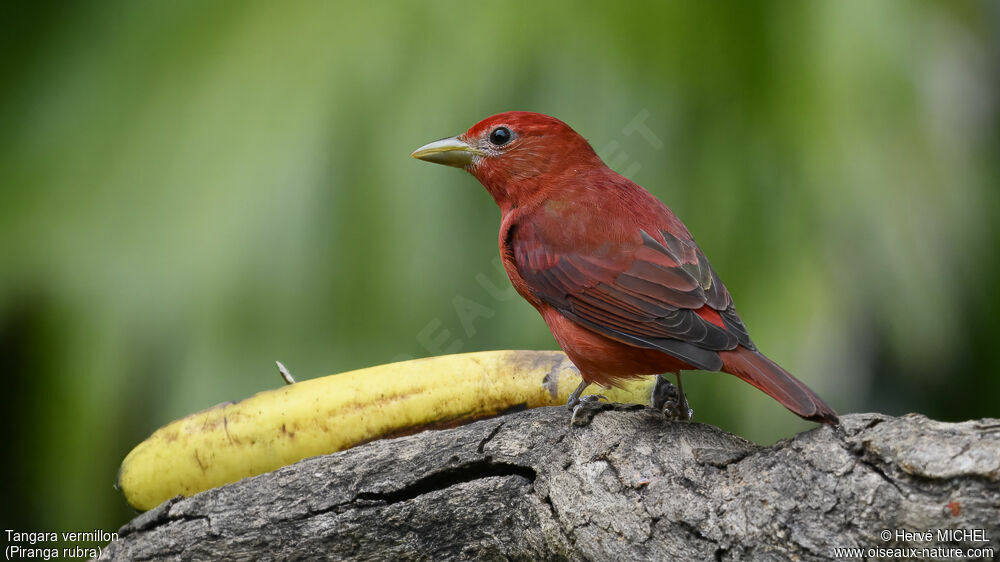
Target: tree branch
pixel 629 485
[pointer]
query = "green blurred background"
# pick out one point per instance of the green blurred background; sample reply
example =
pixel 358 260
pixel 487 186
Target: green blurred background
pixel 191 190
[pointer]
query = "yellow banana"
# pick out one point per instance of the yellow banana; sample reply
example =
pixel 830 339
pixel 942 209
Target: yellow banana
pixel 277 427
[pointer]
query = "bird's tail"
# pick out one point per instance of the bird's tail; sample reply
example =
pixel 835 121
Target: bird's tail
pixel 758 370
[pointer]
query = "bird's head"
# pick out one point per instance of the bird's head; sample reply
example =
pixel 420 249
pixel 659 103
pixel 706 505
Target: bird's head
pixel 514 154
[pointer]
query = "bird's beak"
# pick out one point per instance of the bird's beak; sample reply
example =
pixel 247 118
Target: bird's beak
pixel 451 151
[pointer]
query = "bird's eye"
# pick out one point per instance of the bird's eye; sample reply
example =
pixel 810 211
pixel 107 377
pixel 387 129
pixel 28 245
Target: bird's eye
pixel 501 136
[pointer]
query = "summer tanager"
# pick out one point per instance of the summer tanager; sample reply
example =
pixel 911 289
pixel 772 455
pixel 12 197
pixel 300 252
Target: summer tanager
pixel 614 273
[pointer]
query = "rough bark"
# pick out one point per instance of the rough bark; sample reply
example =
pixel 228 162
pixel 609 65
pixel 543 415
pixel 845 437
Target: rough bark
pixel 628 485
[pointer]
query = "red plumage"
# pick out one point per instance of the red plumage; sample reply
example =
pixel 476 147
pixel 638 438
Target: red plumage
pixel 614 273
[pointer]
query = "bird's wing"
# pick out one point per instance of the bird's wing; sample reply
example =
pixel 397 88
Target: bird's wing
pixel 659 293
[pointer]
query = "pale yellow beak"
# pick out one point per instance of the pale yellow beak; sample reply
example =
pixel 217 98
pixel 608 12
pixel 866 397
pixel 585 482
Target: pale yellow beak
pixel 451 151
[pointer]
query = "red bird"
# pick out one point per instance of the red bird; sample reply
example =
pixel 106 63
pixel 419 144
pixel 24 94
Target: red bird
pixel 614 273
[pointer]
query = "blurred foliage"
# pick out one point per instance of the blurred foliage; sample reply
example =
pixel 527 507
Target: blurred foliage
pixel 192 190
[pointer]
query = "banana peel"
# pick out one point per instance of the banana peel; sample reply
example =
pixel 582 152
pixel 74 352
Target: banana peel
pixel 274 428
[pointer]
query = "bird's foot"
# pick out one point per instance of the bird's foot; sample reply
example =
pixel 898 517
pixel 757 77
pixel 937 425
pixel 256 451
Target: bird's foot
pixel 581 403
pixel 586 408
pixel 575 399
pixel 669 399
pixel 574 404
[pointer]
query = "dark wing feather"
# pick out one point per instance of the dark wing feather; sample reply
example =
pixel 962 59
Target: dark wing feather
pixel 651 301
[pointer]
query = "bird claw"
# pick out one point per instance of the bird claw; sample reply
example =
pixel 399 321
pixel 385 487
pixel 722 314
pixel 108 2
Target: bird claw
pixel 580 403
pixel 575 404
pixel 575 399
pixel 669 399
pixel 676 412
